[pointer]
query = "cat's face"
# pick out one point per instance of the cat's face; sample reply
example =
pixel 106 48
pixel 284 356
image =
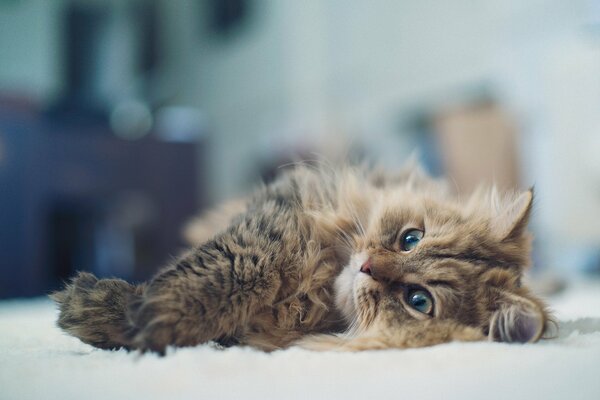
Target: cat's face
pixel 422 258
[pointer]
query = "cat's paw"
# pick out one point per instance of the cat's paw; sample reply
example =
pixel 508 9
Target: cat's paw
pixel 81 282
pixel 157 325
pixel 163 320
pixel 94 310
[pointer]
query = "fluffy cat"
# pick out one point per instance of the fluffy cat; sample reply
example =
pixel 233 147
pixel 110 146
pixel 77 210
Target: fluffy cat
pixel 330 259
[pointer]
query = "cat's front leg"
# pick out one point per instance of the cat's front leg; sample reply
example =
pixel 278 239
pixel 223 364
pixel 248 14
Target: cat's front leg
pixel 210 293
pixel 410 335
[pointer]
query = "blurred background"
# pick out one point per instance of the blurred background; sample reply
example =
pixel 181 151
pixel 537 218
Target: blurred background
pixel 121 119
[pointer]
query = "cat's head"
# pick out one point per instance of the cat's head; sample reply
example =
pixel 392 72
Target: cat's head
pixel 421 256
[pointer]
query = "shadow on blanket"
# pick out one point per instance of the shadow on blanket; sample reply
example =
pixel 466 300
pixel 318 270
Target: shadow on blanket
pixel 580 325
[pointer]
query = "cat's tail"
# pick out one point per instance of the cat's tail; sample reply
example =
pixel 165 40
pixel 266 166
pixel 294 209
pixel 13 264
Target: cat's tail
pixel 97 310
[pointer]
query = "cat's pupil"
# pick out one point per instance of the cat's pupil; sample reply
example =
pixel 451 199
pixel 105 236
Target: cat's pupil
pixel 411 239
pixel 421 301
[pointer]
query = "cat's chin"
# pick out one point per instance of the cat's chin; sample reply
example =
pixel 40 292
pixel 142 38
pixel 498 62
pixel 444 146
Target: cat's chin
pixel 345 285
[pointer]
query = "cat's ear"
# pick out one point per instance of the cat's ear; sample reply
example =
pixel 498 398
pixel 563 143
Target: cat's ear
pixel 517 319
pixel 510 217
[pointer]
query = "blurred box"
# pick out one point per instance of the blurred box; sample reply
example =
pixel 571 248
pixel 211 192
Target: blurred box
pixel 478 145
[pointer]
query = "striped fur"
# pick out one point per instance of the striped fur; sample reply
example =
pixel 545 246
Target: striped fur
pixel 283 267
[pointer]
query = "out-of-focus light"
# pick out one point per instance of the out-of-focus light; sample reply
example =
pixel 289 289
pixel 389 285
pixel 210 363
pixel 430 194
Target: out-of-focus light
pixel 131 120
pixel 180 124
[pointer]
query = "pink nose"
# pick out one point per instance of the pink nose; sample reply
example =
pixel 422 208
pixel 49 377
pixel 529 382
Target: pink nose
pixel 366 267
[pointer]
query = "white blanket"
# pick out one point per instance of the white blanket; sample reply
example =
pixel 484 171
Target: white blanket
pixel 38 361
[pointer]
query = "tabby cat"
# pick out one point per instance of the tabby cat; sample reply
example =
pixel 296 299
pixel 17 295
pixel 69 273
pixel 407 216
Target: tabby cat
pixel 330 259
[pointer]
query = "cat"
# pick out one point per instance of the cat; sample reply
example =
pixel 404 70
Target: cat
pixel 326 258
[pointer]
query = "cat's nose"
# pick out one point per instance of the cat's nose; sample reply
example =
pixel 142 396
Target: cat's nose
pixel 378 270
pixel 369 269
pixel 366 267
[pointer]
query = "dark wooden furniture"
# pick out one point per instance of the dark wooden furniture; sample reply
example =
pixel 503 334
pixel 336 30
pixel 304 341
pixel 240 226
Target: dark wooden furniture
pixel 78 198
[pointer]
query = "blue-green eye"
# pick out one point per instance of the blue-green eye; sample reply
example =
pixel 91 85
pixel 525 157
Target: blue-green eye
pixel 420 300
pixel 410 239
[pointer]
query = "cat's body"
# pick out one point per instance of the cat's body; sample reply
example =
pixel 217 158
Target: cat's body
pixel 317 253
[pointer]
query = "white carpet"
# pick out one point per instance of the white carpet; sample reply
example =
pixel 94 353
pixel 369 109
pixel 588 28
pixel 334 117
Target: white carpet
pixel 37 361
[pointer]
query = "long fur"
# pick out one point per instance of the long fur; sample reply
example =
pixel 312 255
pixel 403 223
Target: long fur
pixel 282 267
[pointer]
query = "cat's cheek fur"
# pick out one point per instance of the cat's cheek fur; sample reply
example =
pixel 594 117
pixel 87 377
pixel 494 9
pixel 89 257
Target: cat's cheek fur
pixel 382 336
pixel 344 286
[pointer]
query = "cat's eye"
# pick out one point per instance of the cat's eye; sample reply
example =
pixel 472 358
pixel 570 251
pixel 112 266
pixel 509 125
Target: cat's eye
pixel 410 239
pixel 420 300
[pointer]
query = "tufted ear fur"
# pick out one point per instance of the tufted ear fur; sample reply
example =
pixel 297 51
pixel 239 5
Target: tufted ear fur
pixel 517 319
pixel 510 216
